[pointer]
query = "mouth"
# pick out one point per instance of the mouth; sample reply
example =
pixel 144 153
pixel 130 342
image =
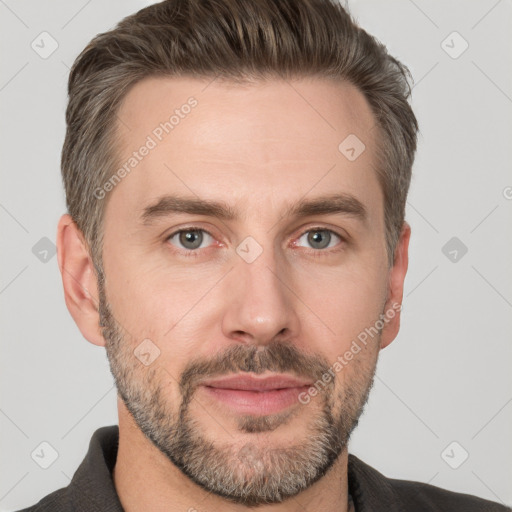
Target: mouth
pixel 257 395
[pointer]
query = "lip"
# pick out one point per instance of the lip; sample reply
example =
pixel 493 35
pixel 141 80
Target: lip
pixel 260 383
pixel 245 394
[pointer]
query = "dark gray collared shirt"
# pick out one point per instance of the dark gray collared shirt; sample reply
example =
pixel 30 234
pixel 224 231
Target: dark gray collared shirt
pixel 92 487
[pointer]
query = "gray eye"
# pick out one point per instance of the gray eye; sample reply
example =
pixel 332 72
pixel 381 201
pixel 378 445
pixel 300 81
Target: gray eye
pixel 189 239
pixel 320 238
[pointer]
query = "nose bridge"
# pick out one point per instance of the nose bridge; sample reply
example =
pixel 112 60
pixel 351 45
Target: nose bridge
pixel 261 282
pixel 261 305
pixel 261 277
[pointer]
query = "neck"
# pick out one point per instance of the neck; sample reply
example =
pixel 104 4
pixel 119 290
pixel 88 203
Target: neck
pixel 145 479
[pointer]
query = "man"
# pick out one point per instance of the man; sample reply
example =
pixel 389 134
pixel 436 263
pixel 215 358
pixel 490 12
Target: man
pixel 236 175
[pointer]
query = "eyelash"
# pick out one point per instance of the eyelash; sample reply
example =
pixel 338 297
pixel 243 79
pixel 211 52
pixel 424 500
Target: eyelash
pixel 194 253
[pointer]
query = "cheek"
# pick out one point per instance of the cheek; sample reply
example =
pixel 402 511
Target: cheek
pixel 148 299
pixel 349 303
pixel 346 299
pixel 176 314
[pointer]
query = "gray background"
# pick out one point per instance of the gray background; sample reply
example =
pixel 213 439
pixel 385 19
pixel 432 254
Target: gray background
pixel 445 378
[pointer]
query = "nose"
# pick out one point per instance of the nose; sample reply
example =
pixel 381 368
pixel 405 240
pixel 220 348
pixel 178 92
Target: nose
pixel 261 306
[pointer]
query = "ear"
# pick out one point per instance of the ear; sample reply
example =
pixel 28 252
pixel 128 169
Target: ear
pixel 396 287
pixel 79 279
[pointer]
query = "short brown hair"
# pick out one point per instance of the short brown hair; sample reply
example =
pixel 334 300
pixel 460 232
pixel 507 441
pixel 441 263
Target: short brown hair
pixel 235 40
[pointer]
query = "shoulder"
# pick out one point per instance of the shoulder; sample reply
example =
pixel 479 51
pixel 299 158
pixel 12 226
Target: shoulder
pixel 372 489
pixel 420 496
pixel 91 489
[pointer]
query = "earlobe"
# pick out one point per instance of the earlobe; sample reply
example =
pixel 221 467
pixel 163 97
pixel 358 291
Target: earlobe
pixel 396 287
pixel 79 279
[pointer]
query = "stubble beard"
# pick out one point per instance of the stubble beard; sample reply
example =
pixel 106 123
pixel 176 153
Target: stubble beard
pixel 248 472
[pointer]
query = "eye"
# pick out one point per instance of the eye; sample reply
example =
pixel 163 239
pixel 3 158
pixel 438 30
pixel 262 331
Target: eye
pixel 190 239
pixel 320 238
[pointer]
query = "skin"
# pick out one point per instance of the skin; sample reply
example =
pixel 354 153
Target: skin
pixel 258 148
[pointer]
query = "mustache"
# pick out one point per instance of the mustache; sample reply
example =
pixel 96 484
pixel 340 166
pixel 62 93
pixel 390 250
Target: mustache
pixel 279 357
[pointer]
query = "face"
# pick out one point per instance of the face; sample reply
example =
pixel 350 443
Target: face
pixel 244 242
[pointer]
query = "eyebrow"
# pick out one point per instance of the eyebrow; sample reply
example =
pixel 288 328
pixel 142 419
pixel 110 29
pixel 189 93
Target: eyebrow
pixel 168 205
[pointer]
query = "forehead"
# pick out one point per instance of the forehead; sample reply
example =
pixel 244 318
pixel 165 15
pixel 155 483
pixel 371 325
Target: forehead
pixel 235 142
